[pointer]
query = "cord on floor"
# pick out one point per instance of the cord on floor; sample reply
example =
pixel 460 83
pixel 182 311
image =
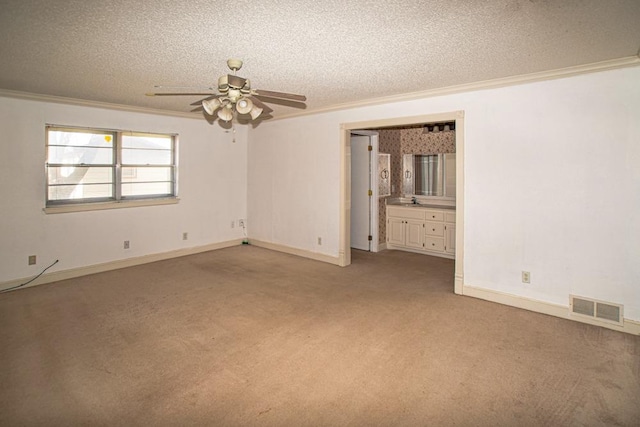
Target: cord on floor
pixel 26 283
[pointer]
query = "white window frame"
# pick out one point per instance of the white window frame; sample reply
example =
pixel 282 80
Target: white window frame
pixel 116 200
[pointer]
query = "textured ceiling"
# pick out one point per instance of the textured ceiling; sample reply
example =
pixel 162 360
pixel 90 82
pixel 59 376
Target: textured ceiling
pixel 333 51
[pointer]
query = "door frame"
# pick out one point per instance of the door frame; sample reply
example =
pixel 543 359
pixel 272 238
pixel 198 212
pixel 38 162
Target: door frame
pixel 344 250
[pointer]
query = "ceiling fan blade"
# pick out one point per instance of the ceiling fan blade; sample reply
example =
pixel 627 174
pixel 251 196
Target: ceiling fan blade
pixel 235 81
pixel 178 94
pixel 199 102
pixel 265 108
pixel 184 87
pixel 281 95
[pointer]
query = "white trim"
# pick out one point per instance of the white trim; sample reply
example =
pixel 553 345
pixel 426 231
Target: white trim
pixel 83 207
pixel 96 104
pixel 629 326
pixel 629 61
pixel 374 205
pixel 114 265
pixel 344 240
pixel 295 251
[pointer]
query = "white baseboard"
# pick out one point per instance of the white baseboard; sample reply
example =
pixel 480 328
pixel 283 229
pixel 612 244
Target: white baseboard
pixel 114 265
pixel 629 326
pixel 458 284
pixel 295 251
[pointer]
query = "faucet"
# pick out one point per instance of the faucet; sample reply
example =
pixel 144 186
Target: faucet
pixel 414 200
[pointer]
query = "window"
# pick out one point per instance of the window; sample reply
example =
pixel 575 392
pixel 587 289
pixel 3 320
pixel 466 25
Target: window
pixel 94 165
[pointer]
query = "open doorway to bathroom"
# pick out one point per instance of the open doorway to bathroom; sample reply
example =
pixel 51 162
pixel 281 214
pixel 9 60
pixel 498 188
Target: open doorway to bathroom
pixel 456 119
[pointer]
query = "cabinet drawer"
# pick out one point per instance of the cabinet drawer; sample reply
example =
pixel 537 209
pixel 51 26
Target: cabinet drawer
pixel 434 229
pixel 450 217
pixel 409 213
pixel 434 243
pixel 435 215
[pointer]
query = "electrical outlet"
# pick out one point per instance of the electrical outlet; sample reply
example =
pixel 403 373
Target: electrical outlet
pixel 126 244
pixel 233 224
pixel 319 241
pixel 185 235
pixel 526 277
pixel 32 259
pixel 241 223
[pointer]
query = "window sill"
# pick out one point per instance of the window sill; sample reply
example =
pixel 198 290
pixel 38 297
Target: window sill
pixel 83 207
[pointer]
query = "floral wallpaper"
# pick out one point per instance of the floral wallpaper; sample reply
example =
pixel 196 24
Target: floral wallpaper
pixel 416 141
pixel 407 140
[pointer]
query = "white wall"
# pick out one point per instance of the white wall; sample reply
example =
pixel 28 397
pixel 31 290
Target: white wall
pixel 552 184
pixel 212 192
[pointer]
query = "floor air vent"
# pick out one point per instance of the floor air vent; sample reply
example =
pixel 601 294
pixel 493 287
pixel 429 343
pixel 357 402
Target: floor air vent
pixel 597 310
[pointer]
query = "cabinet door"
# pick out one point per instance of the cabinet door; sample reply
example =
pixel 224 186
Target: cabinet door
pixel 414 234
pixel 450 239
pixel 395 231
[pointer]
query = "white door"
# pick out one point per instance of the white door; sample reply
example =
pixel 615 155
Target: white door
pixel 360 186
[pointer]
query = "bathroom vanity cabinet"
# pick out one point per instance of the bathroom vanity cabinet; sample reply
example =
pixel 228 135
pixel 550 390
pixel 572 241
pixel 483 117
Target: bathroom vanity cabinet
pixel 429 230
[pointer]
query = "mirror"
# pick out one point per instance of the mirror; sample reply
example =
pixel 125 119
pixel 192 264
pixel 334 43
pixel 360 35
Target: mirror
pixel 429 175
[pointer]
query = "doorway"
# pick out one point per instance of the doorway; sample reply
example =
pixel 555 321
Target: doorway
pixel 346 178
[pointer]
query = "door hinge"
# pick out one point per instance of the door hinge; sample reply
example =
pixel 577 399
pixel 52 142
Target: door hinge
pixel 370 238
pixel 370 193
pixel 370 148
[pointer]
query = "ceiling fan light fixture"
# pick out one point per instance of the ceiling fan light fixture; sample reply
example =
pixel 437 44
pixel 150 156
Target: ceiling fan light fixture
pixel 211 105
pixel 255 112
pixel 225 114
pixel 235 97
pixel 244 106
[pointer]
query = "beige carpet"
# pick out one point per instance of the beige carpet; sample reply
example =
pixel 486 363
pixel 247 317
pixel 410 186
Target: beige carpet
pixel 247 336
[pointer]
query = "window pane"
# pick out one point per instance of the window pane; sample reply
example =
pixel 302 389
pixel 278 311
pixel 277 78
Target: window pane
pixel 133 156
pixel 162 142
pixel 80 191
pixel 80 155
pixel 81 138
pixel 146 174
pixel 80 175
pixel 147 189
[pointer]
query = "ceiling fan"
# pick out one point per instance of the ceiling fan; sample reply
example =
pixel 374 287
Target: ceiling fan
pixel 235 96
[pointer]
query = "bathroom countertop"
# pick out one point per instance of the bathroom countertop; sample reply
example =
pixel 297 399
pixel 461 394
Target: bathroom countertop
pixel 422 205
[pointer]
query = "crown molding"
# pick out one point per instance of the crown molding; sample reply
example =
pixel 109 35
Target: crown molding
pixel 95 104
pixel 629 61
